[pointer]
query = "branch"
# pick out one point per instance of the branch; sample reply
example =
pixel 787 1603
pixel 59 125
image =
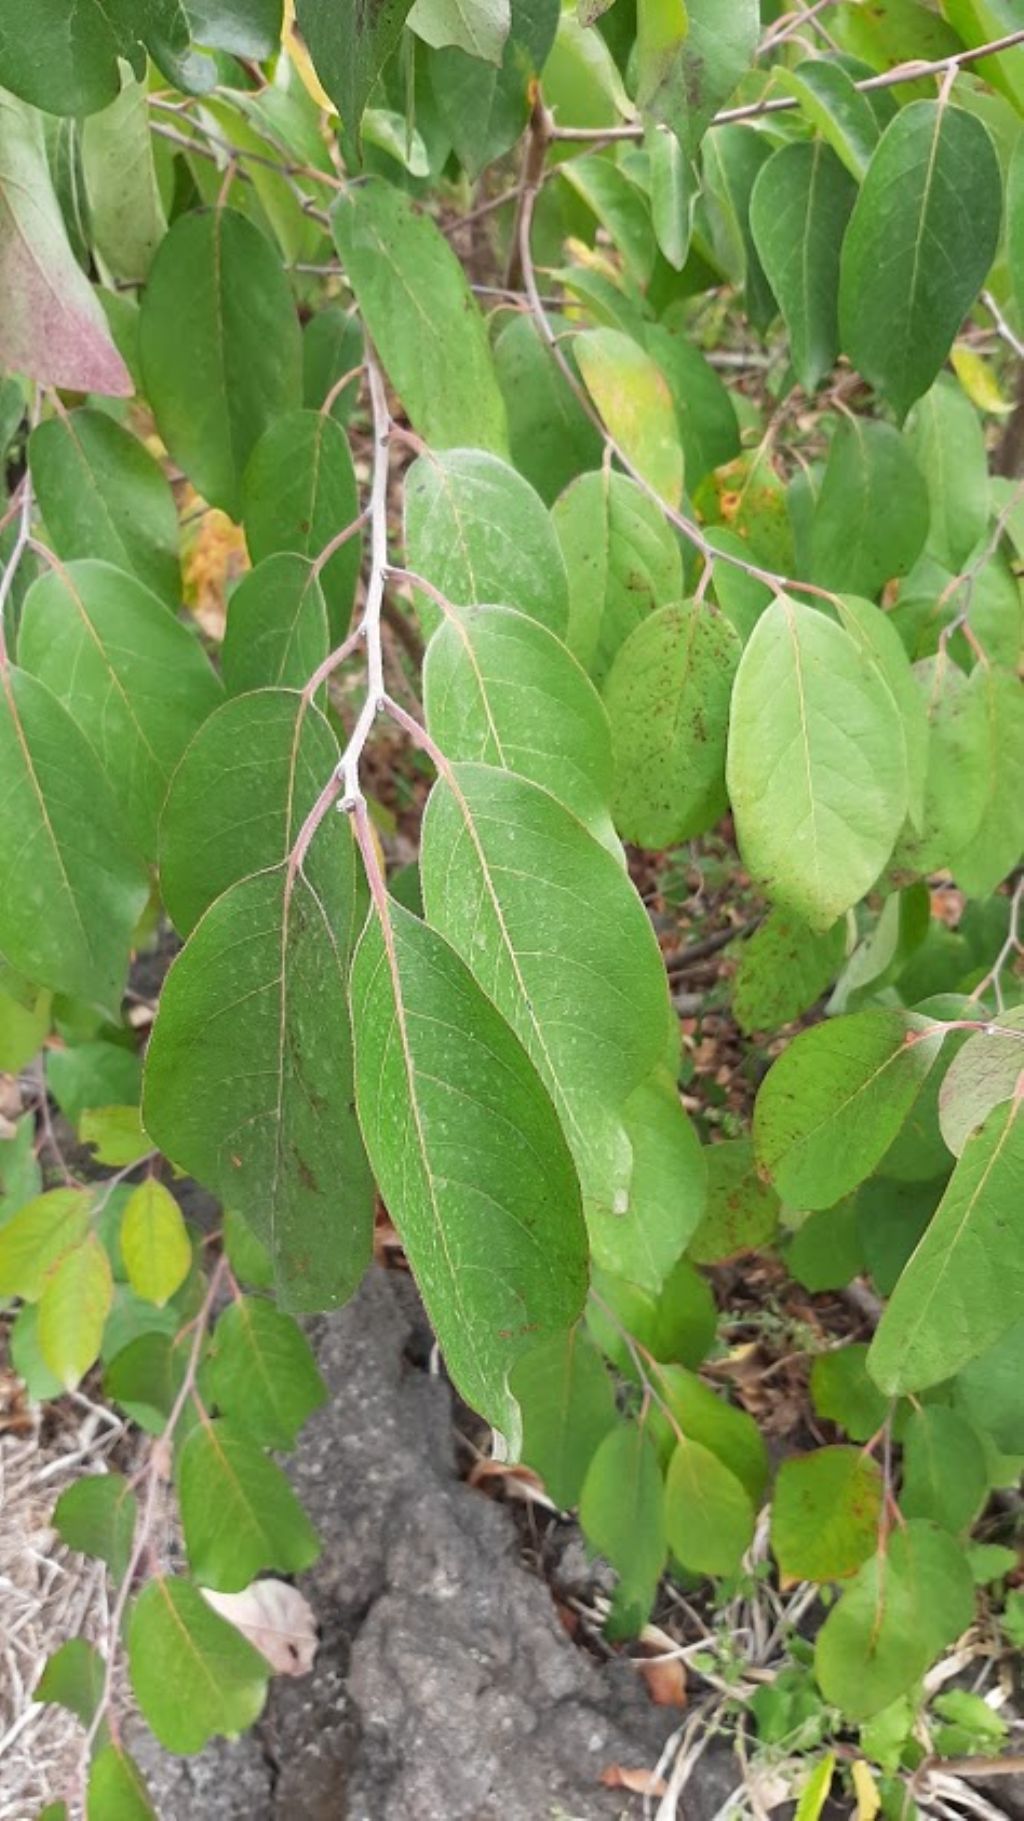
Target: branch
pixel 904 72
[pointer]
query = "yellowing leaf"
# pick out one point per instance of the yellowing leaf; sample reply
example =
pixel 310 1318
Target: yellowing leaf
pixel 74 1305
pixel 634 400
pixel 866 1789
pixel 155 1245
pixel 37 1238
pixel 979 382
pixel 815 1790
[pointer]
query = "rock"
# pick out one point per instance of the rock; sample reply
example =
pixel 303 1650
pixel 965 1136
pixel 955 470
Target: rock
pixel 445 1688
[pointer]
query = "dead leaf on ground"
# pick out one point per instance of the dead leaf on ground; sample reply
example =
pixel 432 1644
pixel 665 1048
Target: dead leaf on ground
pixel 640 1782
pixel 666 1680
pixel 277 1621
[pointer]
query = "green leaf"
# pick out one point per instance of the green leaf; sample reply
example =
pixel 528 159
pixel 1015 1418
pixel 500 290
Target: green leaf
pixel 551 437
pixel 784 969
pixel 964 1285
pixel 685 77
pixel 799 208
pixel 667 697
pixel 421 316
pixel 221 349
pixel 826 1510
pixel 248 1256
pixel 499 688
pixel 73 1678
pixel 97 1516
pixel 115 1790
pixel 981 1076
pixel 299 491
pixel 277 631
pixel 815 1791
pixel 88 1075
pixel 706 416
pixel 37 1237
pixel 135 679
pixel 816 765
pixel 484 109
pixel 881 645
pixel 825 1252
pixel 568 1407
pixel 991 1391
pixel 238 1512
pixel 620 206
pixel 505 868
pixel 933 183
pixel 636 407
pixel 956 780
pixel 73 1307
pixel 53 328
pixel 833 1102
pixel 262 1373
pixel 732 161
pixel 69 65
pixel 481 534
pixel 155 1245
pixel 192 1673
pixel 997 709
pixel 666 1188
pixel 903 1608
pixel 479 29
pixel 350 45
pixel 622 560
pixel 944 1469
pixel 622 1511
pixel 725 1430
pixel 674 189
pixel 238 798
pixel 23 1028
pixel 871 518
pixel 891 1217
pixel 742 1211
pixel 469 1157
pixel 332 344
pixel 125 207
pixel 102 495
pixel 948 443
pixel 41 1384
pixel 844 116
pixel 709 1518
pixel 244 28
pixel 250 1093
pixel 842 1392
pixel 144 1377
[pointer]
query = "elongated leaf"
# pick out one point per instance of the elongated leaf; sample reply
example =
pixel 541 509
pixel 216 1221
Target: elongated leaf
pixel 667 698
pixel 422 317
pixel 622 1511
pixel 238 798
pixel 53 328
pixel 722 1428
pixel 73 1678
pixel 902 1609
pixel 732 161
pixel 981 1076
pixel 299 492
pixel 996 709
pixel 685 77
pixel 705 413
pixel 238 1512
pixel 73 1307
pixel 470 1160
pixel 102 495
pixel 826 1509
pixel 946 437
pixel 220 346
pixel 480 533
pixel 945 1473
pixel 349 45
pixel 499 688
pixel 192 1673
pixel 844 116
pixel 155 1245
pixel 253 1096
pixel 933 183
pixel 125 206
pixel 332 344
pixel 622 209
pixel 97 1516
pixel 134 678
pixel 871 518
pixel 666 1187
pixel 568 1407
pixel 816 767
pixel 277 631
pixel 551 437
pixel 875 634
pixel 63 845
pixel 484 108
pixel 964 1285
pixel 784 967
pixel 505 868
pixel 799 208
pixel 635 403
pixel 622 562
pixel 709 1518
pixel 742 1210
pixel 834 1101
pixel 116 1791
pixel 37 1237
pixel 956 780
pixel 262 1373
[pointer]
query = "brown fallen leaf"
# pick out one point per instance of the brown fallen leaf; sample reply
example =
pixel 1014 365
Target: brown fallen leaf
pixel 666 1680
pixel 640 1782
pixel 277 1621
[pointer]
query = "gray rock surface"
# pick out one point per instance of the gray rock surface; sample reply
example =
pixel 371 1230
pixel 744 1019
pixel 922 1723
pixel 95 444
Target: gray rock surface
pixel 445 1688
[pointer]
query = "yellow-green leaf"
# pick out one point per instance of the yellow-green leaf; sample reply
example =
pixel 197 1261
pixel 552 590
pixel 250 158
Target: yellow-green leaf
pixel 155 1245
pixel 74 1305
